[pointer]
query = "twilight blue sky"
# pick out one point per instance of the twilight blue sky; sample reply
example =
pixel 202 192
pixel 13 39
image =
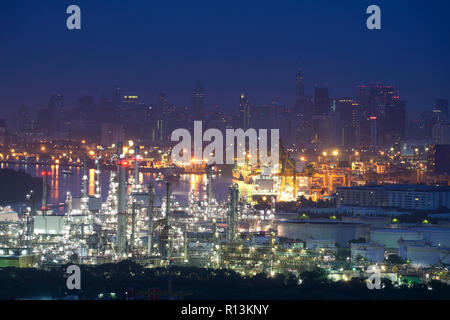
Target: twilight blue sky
pixel 231 46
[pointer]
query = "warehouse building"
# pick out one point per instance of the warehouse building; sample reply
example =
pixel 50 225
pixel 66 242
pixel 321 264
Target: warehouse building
pixel 407 196
pixel 339 231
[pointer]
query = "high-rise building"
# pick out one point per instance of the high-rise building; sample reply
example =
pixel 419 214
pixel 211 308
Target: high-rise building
pixel 442 104
pixel 3 132
pixel 441 133
pixel 198 102
pixel 244 115
pixel 116 96
pixel 346 117
pixel 439 159
pixel 163 104
pixel 56 113
pixel 112 134
pixel 321 102
pixel 299 85
pixel 322 123
pixel 23 119
pixel 302 112
pixel 440 111
pixel 382 117
pixel 393 123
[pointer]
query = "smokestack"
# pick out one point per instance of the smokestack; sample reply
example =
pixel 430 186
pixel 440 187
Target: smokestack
pixel 185 244
pixel 122 210
pixel 168 204
pixel 209 186
pixel 98 190
pixel 151 200
pixel 133 222
pixel 85 178
pixel 169 240
pixel 136 165
pixel 44 192
pixel 232 221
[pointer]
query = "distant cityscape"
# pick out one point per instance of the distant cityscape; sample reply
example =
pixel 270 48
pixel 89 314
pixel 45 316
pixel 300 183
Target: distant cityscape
pixel 375 118
pixel 356 205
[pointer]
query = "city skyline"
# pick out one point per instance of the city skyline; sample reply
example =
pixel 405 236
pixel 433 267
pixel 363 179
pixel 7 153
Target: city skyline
pixel 245 48
pixel 242 150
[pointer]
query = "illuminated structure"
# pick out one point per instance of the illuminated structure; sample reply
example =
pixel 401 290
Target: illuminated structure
pixel 233 213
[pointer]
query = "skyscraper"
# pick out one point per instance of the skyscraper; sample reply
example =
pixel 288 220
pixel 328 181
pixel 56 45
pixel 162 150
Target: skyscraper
pixel 302 111
pixel 322 124
pixel 163 104
pixel 440 111
pixel 56 113
pixel 321 102
pixel 442 104
pixel 346 116
pixel 299 85
pixel 244 115
pixel 382 115
pixel 198 102
pixel 116 97
pixel 3 133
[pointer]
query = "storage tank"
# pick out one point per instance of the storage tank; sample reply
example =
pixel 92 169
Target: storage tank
pixel 339 231
pixel 371 251
pixel 422 256
pixel 403 246
pixel 8 215
pixel 373 222
pixel 390 237
pixel 436 236
pixel 444 255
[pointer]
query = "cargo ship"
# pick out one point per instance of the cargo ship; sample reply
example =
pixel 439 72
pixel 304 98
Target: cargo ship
pixel 265 186
pixel 243 172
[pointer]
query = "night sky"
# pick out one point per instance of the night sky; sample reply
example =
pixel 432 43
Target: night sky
pixel 231 46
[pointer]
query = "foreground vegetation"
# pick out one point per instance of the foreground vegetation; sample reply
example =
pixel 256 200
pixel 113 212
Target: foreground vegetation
pixel 195 283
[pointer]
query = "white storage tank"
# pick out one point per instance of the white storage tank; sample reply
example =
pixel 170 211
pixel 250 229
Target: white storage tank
pixel 390 237
pixel 371 251
pixel 423 256
pixel 444 255
pixel 8 215
pixel 339 231
pixel 403 246
pixel 373 222
pixel 436 236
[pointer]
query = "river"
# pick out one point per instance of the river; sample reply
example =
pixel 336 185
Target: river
pixel 59 183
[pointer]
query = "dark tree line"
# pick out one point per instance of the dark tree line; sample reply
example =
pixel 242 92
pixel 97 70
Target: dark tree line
pixel 199 283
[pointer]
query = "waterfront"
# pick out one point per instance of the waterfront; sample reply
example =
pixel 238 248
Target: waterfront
pixel 60 183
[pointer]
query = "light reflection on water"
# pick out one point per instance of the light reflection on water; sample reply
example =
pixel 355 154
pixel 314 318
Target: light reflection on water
pixel 60 183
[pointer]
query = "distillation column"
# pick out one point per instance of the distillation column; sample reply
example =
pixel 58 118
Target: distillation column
pixel 137 158
pixel 169 240
pixel 122 212
pixel 151 204
pixel 98 188
pixel 44 192
pixel 233 214
pixel 84 187
pixel 209 185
